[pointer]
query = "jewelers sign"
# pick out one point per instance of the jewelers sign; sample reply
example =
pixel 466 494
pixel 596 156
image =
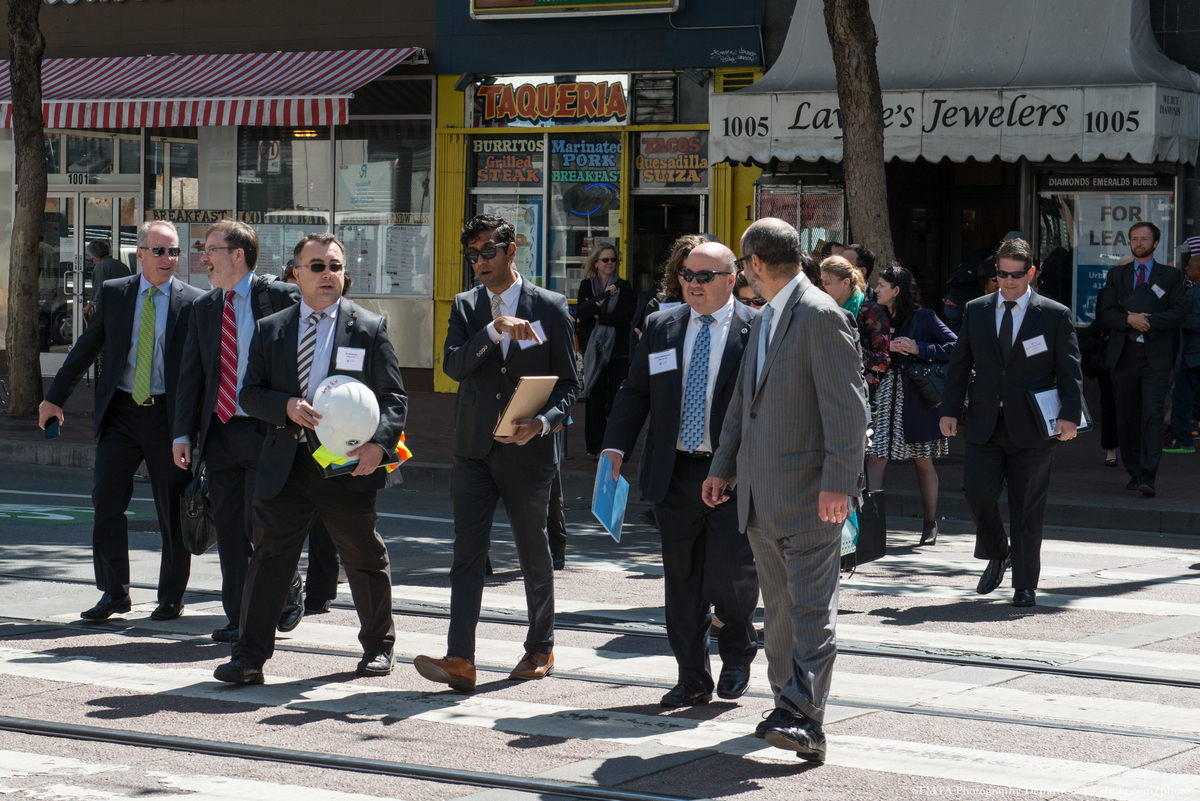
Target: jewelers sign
pixel 1148 122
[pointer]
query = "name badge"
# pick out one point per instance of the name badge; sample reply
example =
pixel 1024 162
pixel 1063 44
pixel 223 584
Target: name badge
pixel 665 306
pixel 663 362
pixel 537 329
pixel 1035 346
pixel 351 358
pixel 1158 290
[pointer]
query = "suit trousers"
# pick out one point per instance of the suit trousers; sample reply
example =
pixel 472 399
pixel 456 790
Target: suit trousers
pixel 231 452
pixel 1027 472
pixel 556 520
pixel 600 402
pixel 1109 432
pixel 321 579
pixel 1140 391
pixel 799 578
pixel 129 435
pixel 706 560
pixel 280 526
pixel 476 486
pixel 1183 402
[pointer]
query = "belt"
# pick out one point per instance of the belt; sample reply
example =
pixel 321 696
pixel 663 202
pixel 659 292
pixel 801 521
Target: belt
pixel 237 418
pixel 150 401
pixel 699 456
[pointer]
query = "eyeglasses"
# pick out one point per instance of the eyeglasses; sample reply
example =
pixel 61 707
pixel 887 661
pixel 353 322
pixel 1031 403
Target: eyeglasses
pixel 701 277
pixel 607 261
pixel 488 252
pixel 760 302
pixel 1016 274
pixel 159 251
pixel 318 267
pixel 209 251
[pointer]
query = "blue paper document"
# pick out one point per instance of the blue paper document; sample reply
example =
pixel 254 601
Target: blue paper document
pixel 609 497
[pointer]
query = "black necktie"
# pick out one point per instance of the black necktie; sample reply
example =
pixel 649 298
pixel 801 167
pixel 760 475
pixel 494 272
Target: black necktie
pixel 1006 332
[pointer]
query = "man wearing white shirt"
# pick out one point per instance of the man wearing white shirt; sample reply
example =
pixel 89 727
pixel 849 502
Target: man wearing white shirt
pixel 681 376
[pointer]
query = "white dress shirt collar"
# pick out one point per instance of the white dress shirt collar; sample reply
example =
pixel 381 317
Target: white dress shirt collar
pixel 144 284
pixel 1022 302
pixel 330 311
pixel 780 302
pixel 508 298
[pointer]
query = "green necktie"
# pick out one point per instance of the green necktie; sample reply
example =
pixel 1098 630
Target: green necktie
pixel 145 354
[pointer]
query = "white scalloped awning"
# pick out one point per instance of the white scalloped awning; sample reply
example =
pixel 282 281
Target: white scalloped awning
pixel 1033 78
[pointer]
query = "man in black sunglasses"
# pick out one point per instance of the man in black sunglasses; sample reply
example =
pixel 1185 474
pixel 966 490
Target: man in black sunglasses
pixel 140 325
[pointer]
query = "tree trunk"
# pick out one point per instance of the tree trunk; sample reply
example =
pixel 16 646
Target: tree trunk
pixel 853 40
pixel 25 47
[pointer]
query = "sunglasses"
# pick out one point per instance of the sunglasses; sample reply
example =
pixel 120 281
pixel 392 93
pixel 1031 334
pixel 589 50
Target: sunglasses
pixel 488 252
pixel 760 302
pixel 607 261
pixel 1014 274
pixel 318 267
pixel 159 251
pixel 701 277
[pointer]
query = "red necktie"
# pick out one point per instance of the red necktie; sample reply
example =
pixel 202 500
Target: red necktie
pixel 227 393
pixel 1139 278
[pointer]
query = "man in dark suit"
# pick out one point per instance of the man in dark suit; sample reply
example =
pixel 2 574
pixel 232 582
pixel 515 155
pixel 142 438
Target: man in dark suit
pixel 502 330
pixel 1144 306
pixel 291 353
pixel 1016 341
pixel 140 326
pixel 104 268
pixel 682 376
pixel 230 441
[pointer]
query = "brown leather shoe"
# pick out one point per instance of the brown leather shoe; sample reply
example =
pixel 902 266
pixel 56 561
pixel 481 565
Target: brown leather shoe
pixel 452 670
pixel 533 666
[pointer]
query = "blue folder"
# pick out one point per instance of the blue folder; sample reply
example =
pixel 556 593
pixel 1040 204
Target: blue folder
pixel 609 497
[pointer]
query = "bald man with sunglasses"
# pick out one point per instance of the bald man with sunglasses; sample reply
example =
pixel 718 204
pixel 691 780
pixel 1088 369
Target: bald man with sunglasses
pixel 140 325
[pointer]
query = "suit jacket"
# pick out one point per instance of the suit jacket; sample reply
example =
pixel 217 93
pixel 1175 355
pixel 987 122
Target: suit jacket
pixel 978 348
pixel 487 379
pixel 802 427
pixel 200 376
pixel 106 270
pixel 587 309
pixel 661 396
pixel 272 380
pixel 110 331
pixel 1167 313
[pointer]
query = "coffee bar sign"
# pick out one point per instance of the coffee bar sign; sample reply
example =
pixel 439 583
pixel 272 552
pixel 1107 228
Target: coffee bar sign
pixel 1148 122
pixel 545 104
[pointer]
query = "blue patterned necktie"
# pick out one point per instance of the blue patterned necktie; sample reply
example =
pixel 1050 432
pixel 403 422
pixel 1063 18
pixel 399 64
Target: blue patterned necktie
pixel 691 428
pixel 764 333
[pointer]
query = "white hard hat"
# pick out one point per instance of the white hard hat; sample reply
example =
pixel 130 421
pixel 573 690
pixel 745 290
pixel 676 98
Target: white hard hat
pixel 349 413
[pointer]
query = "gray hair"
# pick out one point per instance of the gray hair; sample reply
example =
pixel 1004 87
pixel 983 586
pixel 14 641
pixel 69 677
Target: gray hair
pixel 144 230
pixel 775 242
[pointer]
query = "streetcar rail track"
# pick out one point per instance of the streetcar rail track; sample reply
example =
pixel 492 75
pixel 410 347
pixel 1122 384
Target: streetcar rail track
pixel 261 753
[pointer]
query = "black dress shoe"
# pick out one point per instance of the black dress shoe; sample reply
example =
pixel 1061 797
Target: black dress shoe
pixel 109 605
pixel 800 734
pixel 167 612
pixel 1147 487
pixel 1025 598
pixel 314 607
pixel 376 663
pixel 648 518
pixel 1134 483
pixel 683 695
pixel 239 671
pixel 293 607
pixel 560 563
pixel 993 574
pixel 487 566
pixel 772 720
pixel 227 634
pixel 734 681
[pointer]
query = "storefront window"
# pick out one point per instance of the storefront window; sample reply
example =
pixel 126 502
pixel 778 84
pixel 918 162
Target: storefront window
pixel 384 205
pixel 156 170
pixel 585 202
pixel 131 155
pixel 1082 234
pixel 507 178
pixel 53 153
pixel 819 213
pixel 90 154
pixel 672 160
pixel 185 176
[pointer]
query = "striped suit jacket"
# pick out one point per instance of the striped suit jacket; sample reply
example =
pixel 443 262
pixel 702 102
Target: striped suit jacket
pixel 801 428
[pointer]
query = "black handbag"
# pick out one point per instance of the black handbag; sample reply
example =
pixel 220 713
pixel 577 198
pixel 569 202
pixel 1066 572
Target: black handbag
pixel 195 515
pixel 927 378
pixel 872 531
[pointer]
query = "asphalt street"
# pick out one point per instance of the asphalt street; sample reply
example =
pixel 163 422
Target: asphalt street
pixel 1094 693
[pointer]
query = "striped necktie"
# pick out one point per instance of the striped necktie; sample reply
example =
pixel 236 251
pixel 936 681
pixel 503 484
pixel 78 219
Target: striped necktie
pixel 227 391
pixel 691 427
pixel 764 334
pixel 496 301
pixel 145 350
pixel 308 346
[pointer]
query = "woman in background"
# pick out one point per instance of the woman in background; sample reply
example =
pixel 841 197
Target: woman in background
pixel 604 311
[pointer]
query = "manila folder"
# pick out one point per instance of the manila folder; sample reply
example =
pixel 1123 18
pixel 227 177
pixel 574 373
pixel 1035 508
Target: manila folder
pixel 530 396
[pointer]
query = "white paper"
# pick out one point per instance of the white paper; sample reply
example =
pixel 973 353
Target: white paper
pixel 537 329
pixel 1050 404
pixel 1158 290
pixel 351 358
pixel 666 306
pixel 1035 346
pixel 663 362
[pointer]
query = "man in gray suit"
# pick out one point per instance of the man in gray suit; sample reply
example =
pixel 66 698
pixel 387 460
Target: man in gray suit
pixel 793 442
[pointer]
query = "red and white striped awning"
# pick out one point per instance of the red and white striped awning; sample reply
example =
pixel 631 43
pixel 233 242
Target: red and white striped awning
pixel 232 89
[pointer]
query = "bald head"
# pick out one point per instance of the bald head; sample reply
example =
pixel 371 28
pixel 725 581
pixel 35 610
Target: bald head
pixel 709 258
pixel 777 245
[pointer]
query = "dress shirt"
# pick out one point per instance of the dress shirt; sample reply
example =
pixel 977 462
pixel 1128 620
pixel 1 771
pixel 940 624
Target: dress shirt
pixel 779 302
pixel 322 348
pixel 508 308
pixel 162 306
pixel 718 333
pixel 1018 312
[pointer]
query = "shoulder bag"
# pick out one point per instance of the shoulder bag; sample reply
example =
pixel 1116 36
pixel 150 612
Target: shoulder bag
pixel 927 378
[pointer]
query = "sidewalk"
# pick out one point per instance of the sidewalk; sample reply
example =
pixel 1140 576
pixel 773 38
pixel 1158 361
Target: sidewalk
pixel 1083 492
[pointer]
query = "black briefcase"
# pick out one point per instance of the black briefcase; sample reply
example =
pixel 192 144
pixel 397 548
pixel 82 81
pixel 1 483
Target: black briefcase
pixel 872 532
pixel 195 515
